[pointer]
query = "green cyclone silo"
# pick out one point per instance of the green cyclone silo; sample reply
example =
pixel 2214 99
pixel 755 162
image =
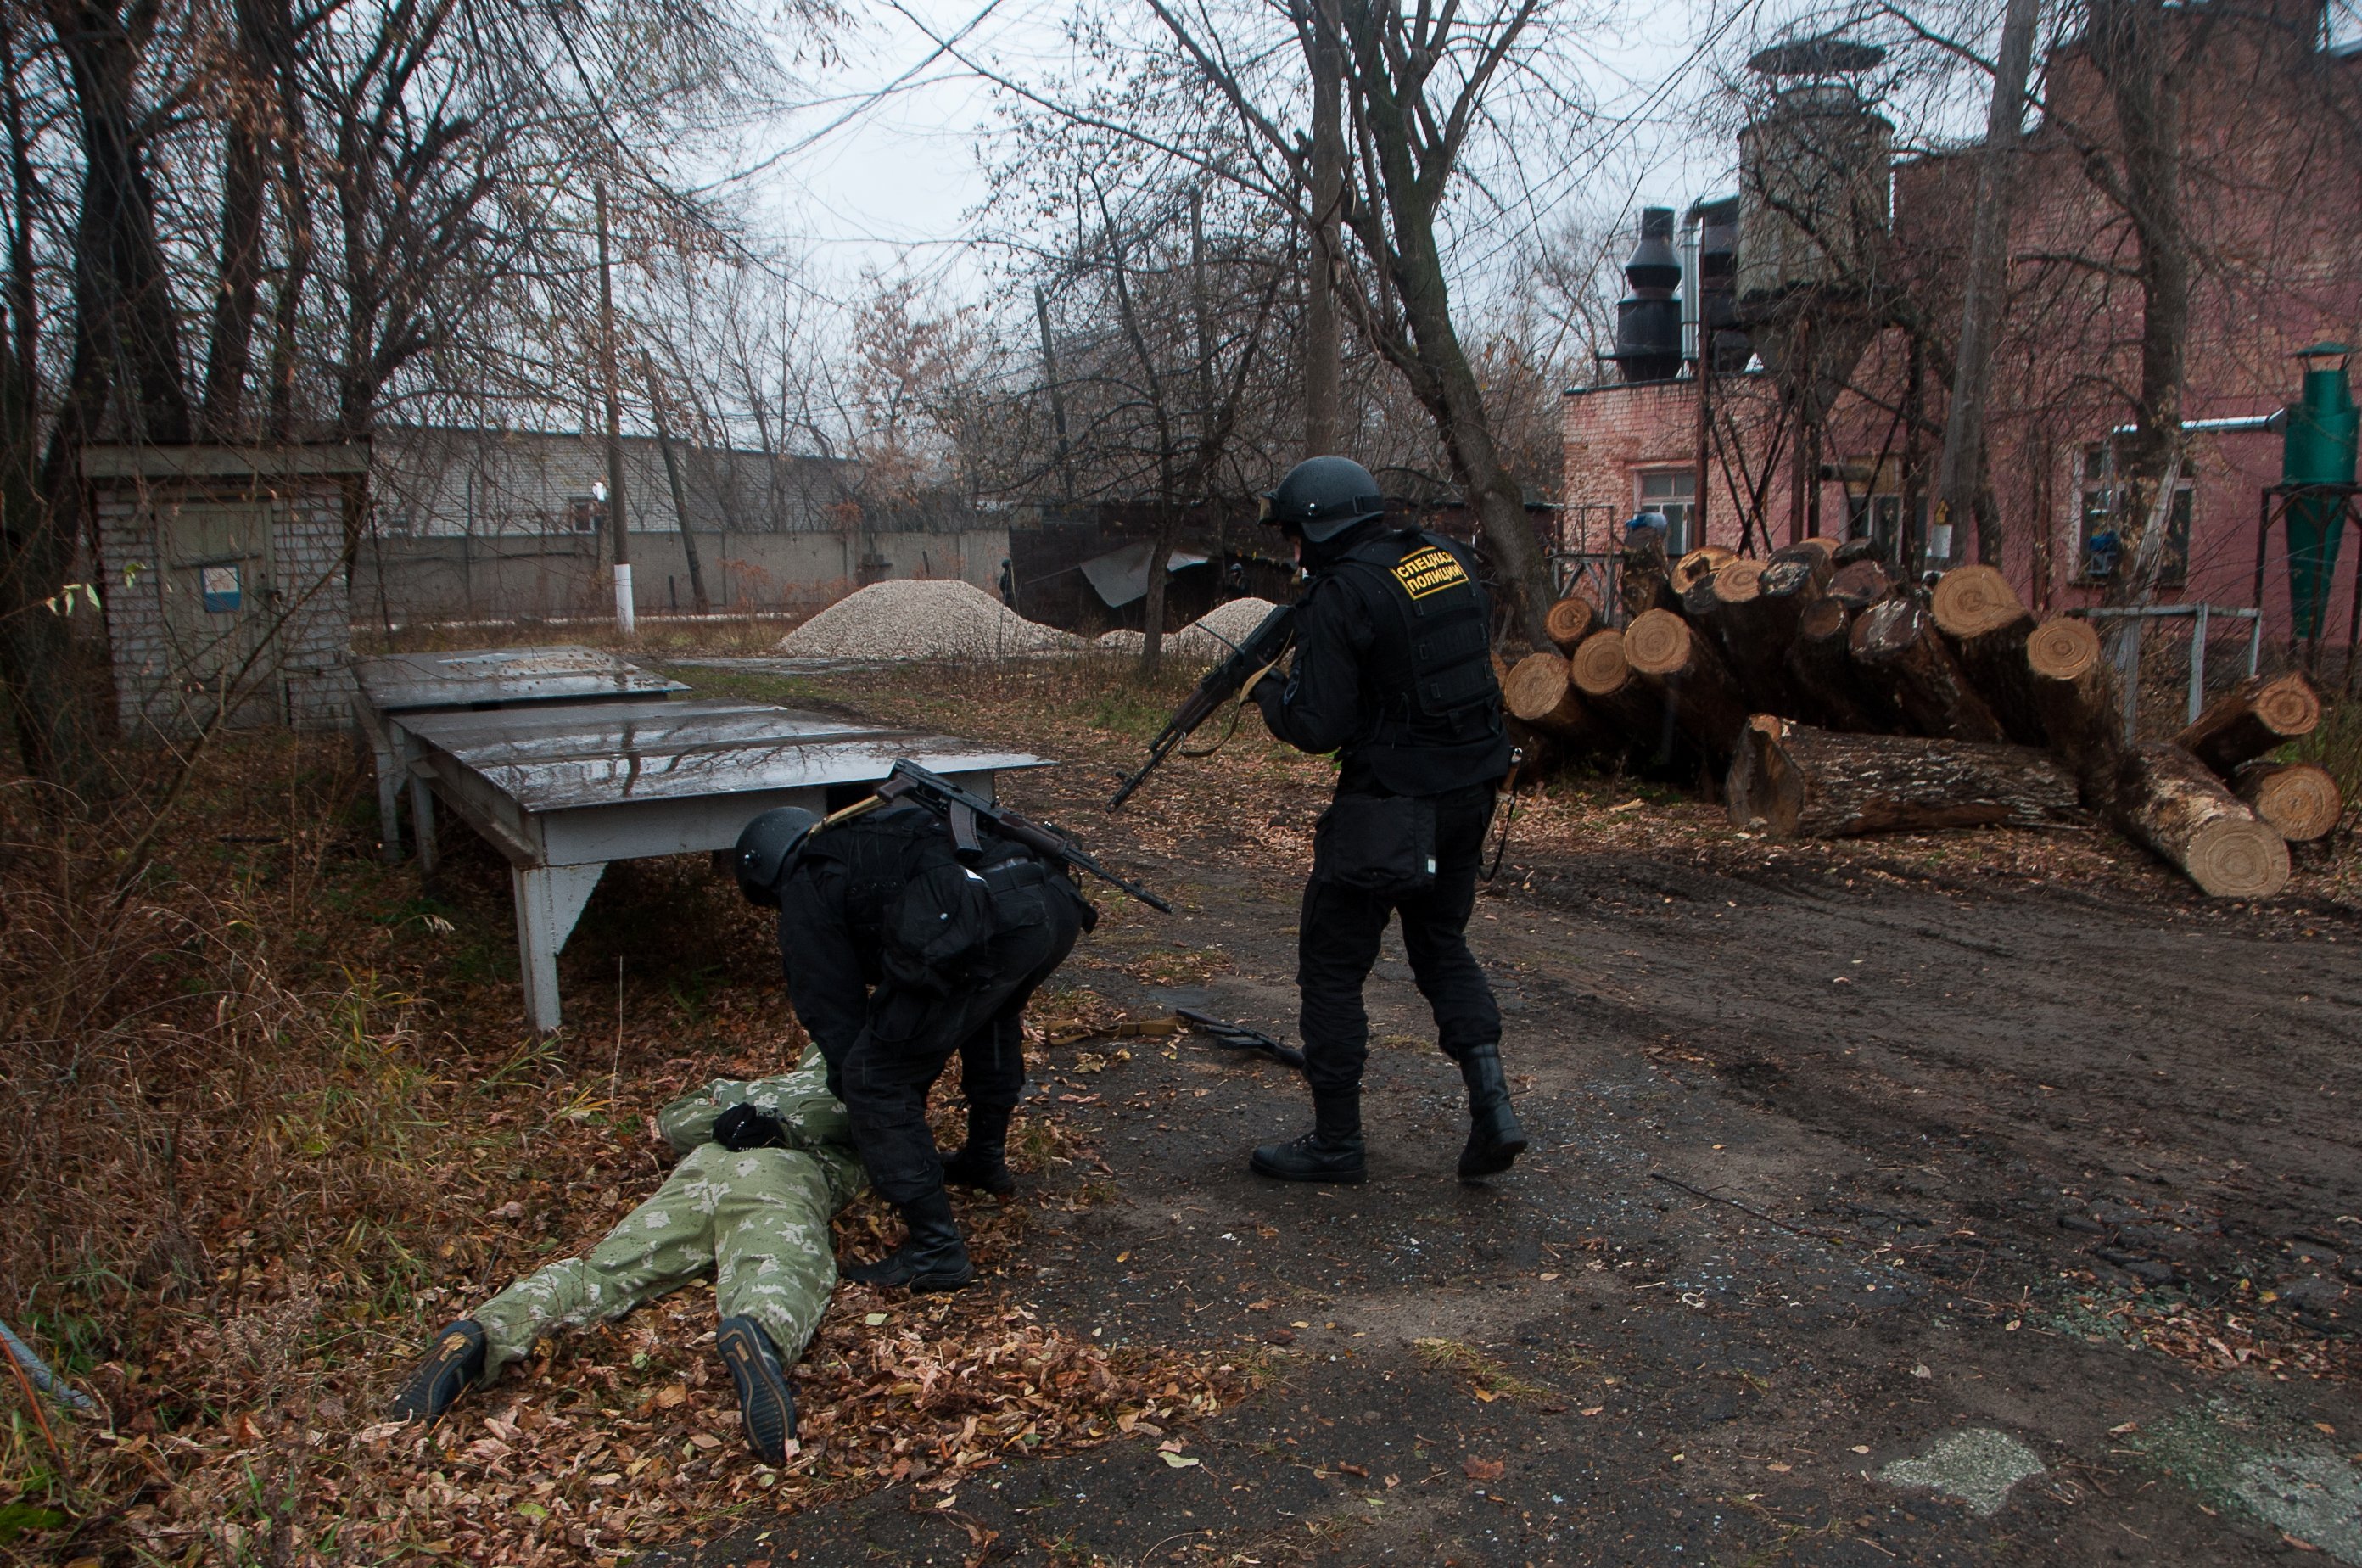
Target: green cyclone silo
pixel 2317 450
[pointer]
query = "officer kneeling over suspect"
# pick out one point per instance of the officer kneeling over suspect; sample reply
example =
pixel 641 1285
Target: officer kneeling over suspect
pixel 903 946
pixel 766 1164
pixel 1394 673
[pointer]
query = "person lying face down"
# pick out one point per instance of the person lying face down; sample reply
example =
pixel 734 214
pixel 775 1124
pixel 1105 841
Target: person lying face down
pixel 766 1164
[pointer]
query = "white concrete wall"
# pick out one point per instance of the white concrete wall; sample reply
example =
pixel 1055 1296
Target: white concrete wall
pixel 399 580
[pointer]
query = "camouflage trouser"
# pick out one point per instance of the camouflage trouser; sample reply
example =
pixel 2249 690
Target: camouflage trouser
pixel 758 1219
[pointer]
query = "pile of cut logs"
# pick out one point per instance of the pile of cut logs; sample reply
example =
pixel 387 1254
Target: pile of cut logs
pixel 1838 700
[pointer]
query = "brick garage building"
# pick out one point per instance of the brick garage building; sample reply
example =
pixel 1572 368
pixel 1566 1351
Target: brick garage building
pixel 2272 169
pixel 225 578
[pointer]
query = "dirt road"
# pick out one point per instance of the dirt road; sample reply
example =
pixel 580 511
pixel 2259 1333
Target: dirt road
pixel 1875 1216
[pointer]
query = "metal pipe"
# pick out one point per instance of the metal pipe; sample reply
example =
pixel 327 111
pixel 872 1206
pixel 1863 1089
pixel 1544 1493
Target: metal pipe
pixel 2233 424
pixel 43 1377
pixel 1693 307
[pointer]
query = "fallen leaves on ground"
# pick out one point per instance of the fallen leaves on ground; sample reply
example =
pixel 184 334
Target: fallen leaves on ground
pixel 307 1129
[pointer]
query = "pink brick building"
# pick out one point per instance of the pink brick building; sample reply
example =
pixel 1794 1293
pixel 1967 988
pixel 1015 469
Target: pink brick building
pixel 2273 194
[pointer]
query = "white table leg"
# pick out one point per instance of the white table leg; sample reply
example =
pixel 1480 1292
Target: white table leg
pixel 421 822
pixel 550 899
pixel 388 803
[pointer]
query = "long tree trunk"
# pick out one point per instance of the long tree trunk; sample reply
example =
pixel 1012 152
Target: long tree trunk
pixel 237 287
pixel 2167 799
pixel 1812 783
pixel 1959 469
pixel 1318 20
pixel 271 25
pixel 2075 694
pixel 680 494
pixel 119 253
pixel 2138 46
pixel 1425 346
pixel 2260 713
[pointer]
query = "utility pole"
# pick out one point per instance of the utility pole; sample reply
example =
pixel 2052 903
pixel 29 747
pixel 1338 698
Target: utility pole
pixel 1328 187
pixel 625 622
pixel 1960 470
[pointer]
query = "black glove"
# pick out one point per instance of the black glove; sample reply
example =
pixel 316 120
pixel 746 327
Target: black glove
pixel 747 1127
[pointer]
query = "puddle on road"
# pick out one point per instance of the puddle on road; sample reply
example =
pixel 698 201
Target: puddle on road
pixel 2229 1455
pixel 1978 1466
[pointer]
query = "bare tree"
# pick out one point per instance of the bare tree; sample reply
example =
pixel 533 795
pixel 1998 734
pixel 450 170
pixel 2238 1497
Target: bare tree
pixel 394 186
pixel 1417 84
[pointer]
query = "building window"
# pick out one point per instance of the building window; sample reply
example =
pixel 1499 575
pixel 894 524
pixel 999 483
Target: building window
pixel 2097 552
pixel 585 514
pixel 1673 494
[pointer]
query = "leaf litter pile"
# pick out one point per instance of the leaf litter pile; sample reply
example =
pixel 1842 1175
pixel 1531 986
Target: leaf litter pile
pixel 271 1117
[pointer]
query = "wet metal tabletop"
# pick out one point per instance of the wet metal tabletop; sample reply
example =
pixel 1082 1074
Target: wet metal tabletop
pixel 482 678
pixel 562 791
pixel 402 683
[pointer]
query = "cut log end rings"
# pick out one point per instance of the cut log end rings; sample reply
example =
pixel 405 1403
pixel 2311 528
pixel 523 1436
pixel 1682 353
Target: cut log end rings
pixel 1971 600
pixel 1658 643
pixel 2234 859
pixel 1569 621
pixel 1699 565
pixel 2289 707
pixel 2299 802
pixel 2062 648
pixel 1598 667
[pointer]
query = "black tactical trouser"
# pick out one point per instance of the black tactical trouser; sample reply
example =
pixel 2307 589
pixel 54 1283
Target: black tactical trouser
pixel 1337 943
pixel 910 1036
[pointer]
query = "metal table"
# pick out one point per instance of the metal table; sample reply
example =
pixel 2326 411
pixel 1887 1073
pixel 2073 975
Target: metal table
pixel 496 677
pixel 560 792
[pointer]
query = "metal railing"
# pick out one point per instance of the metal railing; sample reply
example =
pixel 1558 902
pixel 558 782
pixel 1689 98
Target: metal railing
pixel 2126 652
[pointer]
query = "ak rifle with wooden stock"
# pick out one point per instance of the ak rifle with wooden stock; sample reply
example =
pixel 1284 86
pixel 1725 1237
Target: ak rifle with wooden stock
pixel 1257 652
pixel 962 811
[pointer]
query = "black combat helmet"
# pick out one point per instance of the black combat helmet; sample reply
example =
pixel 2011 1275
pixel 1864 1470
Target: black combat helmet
pixel 767 851
pixel 1324 497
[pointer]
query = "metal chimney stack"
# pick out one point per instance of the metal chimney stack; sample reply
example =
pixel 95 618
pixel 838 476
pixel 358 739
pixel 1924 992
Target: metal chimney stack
pixel 1648 319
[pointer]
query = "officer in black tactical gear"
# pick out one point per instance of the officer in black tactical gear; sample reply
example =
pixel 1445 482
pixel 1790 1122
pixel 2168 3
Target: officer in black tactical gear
pixel 1394 673
pixel 898 951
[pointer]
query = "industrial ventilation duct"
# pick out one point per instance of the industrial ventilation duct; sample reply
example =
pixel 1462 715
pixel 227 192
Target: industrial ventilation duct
pixel 1648 319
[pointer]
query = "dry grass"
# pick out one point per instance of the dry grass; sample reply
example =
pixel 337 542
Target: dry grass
pixel 655 637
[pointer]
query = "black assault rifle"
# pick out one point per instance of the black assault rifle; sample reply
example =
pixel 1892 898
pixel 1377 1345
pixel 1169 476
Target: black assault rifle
pixel 1261 648
pixel 962 811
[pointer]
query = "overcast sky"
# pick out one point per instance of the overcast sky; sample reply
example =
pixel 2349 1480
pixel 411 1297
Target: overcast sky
pixel 892 187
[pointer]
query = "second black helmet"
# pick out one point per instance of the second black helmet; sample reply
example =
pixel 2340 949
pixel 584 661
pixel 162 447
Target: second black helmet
pixel 767 851
pixel 1324 497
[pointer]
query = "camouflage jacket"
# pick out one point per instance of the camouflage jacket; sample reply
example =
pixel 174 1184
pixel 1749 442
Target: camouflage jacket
pixel 813 1118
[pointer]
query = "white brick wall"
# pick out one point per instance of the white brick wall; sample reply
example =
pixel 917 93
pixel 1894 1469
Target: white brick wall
pixel 304 679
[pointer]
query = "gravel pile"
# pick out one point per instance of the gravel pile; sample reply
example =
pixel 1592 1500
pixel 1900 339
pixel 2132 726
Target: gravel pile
pixel 1213 634
pixel 913 618
pixel 1208 637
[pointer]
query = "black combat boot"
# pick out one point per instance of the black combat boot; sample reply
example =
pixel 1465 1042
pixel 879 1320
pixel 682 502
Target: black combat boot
pixel 1494 1139
pixel 455 1366
pixel 983 1162
pixel 1331 1152
pixel 767 1404
pixel 932 1257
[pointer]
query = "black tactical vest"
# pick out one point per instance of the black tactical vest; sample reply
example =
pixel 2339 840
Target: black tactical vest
pixel 1433 701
